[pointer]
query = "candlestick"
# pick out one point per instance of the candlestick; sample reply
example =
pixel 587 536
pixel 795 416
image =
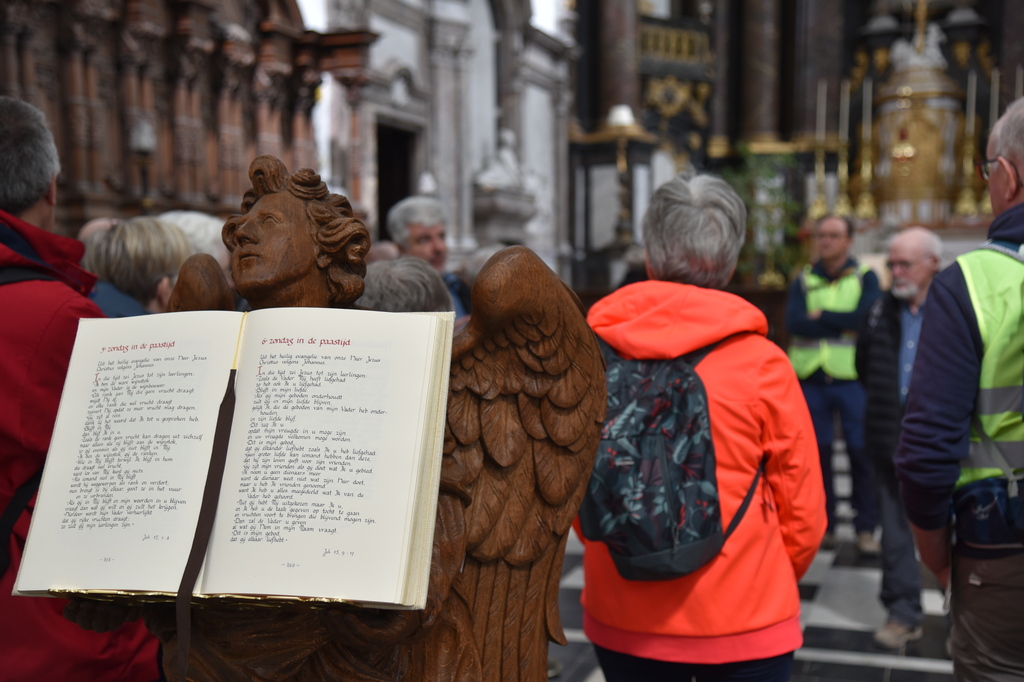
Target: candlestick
pixel 822 105
pixel 972 95
pixel 844 111
pixel 966 204
pixel 993 102
pixel 866 209
pixel 819 207
pixel 866 116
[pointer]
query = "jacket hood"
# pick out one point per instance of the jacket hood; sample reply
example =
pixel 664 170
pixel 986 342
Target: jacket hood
pixel 657 320
pixel 1009 225
pixel 26 246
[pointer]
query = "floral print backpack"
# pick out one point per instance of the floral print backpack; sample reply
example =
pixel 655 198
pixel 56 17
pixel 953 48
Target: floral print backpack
pixel 653 497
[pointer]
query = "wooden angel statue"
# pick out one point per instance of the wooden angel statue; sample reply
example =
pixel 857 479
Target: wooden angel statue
pixel 527 397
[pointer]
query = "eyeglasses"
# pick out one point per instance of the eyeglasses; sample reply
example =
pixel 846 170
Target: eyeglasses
pixel 900 264
pixel 829 235
pixel 983 167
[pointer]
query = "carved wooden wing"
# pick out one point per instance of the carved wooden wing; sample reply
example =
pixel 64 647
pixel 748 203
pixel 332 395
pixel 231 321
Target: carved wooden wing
pixel 526 403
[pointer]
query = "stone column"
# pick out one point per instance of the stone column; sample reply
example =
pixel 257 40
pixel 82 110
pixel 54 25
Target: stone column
pixel 303 145
pixel 270 83
pixel 562 214
pixel 161 166
pixel 197 141
pixel 620 81
pixel 354 84
pixel 222 183
pixel 238 58
pixel 819 49
pixel 97 128
pixel 182 130
pixel 78 117
pixel 759 98
pixel 718 143
pixel 9 57
pixel 1013 50
pixel 132 114
pixel 451 168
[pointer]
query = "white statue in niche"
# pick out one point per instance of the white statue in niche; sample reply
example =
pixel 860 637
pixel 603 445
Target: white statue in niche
pixel 905 56
pixel 504 170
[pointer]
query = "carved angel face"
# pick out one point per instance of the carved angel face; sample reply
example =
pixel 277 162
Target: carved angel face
pixel 275 261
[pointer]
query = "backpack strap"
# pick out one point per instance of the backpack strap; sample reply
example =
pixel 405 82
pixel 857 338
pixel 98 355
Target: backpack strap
pixel 694 357
pixel 16 273
pixel 746 501
pixel 11 514
pixel 609 354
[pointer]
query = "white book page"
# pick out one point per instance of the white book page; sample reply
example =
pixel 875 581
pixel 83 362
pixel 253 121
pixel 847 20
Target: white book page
pixel 124 477
pixel 321 466
pixel 423 515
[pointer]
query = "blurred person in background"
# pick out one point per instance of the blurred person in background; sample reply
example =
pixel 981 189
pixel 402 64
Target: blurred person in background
pixel 382 250
pixel 961 449
pixel 43 295
pixel 418 224
pixel 827 303
pixel 137 263
pixel 886 348
pixel 95 226
pixel 404 285
pixel 710 624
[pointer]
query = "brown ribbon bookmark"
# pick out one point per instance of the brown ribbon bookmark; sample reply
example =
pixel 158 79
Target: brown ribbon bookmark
pixel 204 526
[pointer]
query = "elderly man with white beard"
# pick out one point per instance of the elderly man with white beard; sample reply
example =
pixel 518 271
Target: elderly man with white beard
pixel 885 357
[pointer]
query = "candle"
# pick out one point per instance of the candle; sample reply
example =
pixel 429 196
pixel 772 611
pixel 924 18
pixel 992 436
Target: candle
pixel 1018 91
pixel 822 104
pixel 844 111
pixel 972 93
pixel 993 104
pixel 866 117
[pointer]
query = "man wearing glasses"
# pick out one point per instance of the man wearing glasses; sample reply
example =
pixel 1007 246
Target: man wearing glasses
pixel 827 303
pixel 886 348
pixel 963 437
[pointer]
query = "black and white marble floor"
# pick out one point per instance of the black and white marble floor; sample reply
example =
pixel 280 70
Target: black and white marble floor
pixel 840 612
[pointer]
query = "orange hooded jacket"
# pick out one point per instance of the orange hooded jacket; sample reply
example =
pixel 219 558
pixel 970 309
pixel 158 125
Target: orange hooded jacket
pixel 744 604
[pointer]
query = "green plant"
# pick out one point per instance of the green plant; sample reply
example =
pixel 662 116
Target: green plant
pixel 771 250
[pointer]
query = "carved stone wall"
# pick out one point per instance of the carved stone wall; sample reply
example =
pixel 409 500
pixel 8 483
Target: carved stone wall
pixel 449 76
pixel 216 82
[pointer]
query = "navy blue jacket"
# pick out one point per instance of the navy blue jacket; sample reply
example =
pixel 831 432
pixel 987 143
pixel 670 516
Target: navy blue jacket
pixel 943 388
pixel 831 324
pixel 115 303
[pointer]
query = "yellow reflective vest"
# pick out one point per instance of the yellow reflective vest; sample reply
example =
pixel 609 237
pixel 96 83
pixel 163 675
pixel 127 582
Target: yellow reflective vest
pixel 995 284
pixel 834 356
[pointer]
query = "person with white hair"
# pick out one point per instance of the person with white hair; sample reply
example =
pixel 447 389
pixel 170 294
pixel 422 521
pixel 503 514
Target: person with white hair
pixel 204 235
pixel 961 450
pixel 709 622
pixel 404 285
pixel 418 225
pixel 886 347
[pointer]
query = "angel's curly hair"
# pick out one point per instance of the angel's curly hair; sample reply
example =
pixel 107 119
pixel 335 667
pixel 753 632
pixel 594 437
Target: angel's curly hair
pixel 342 240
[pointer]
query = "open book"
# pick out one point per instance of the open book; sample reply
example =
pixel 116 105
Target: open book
pixel 331 478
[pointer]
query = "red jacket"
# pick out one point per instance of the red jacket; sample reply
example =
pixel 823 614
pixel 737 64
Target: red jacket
pixel 40 320
pixel 744 604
